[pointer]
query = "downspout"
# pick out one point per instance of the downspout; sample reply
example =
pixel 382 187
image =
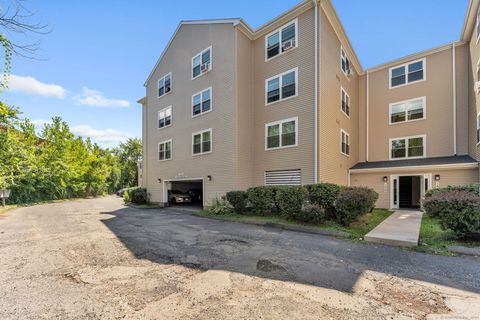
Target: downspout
pixel 454 104
pixel 315 90
pixel 367 117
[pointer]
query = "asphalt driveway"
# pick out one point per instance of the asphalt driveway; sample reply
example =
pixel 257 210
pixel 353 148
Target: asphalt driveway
pixel 96 258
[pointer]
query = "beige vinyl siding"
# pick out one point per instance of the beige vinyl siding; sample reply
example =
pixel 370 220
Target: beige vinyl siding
pixel 438 125
pixel 447 177
pixel 462 87
pixel 474 98
pixel 190 40
pixel 333 166
pixel 302 106
pixel 244 132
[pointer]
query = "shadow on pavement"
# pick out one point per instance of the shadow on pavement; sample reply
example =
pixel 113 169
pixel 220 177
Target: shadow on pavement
pixel 171 236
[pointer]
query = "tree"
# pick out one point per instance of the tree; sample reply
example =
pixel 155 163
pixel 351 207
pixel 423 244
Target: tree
pixel 128 154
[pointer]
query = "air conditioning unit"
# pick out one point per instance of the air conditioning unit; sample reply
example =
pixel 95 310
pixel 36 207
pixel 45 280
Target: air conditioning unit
pixel 477 87
pixel 205 67
pixel 349 72
pixel 287 45
pixel 167 89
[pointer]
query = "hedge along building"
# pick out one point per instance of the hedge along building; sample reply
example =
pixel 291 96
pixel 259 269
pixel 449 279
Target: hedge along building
pixel 228 107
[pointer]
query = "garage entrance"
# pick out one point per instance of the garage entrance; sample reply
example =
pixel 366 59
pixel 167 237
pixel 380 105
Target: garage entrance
pixel 184 192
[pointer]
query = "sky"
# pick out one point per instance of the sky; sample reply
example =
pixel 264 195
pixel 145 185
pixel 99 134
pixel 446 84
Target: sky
pixel 91 67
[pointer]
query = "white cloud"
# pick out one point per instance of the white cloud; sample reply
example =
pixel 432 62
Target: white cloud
pixel 106 136
pixel 95 98
pixel 30 85
pixel 40 123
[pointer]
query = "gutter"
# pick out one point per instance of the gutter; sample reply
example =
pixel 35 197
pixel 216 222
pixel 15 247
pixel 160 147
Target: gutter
pixel 315 90
pixel 471 165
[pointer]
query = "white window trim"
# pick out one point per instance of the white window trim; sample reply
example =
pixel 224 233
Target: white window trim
pixel 348 135
pixel 424 101
pixel 342 90
pixel 200 54
pixel 406 147
pixel 406 73
pixel 295 21
pixel 478 127
pixel 211 103
pixel 201 136
pixel 171 150
pixel 171 85
pixel 476 27
pixel 280 82
pixel 171 117
pixel 279 122
pixel 342 52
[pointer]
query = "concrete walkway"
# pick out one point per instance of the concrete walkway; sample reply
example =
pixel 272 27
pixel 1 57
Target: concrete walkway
pixel 402 228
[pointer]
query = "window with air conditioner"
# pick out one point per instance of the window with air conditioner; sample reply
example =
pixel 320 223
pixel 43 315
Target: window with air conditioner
pixel 165 117
pixel 202 63
pixel 407 147
pixel 165 150
pixel 345 104
pixel 165 85
pixel 407 73
pixel 281 134
pixel 281 40
pixel 478 128
pixel 202 102
pixel 202 142
pixel 281 87
pixel 408 110
pixel 344 143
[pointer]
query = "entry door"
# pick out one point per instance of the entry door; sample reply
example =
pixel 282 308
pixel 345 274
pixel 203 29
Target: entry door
pixel 394 192
pixel 426 184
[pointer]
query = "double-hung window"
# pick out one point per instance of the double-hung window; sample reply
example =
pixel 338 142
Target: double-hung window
pixel 408 147
pixel 165 150
pixel 281 134
pixel 344 143
pixel 345 106
pixel 407 73
pixel 478 128
pixel 281 40
pixel 202 142
pixel 165 117
pixel 202 102
pixel 344 62
pixel 408 110
pixel 202 63
pixel 282 86
pixel 165 85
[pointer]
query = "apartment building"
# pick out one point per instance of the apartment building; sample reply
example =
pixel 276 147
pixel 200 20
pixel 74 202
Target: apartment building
pixel 228 107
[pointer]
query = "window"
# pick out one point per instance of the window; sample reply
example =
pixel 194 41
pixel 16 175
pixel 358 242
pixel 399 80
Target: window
pixel 345 103
pixel 406 111
pixel 344 143
pixel 165 117
pixel 281 134
pixel 165 150
pixel 478 26
pixel 202 102
pixel 281 87
pixel 165 85
pixel 202 142
pixel 201 63
pixel 344 62
pixel 478 128
pixel 407 73
pixel 408 147
pixel 281 40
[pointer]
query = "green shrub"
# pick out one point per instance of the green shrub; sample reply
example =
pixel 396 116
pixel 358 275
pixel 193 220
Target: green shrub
pixel 311 213
pixel 324 195
pixel 136 195
pixel 290 200
pixel 261 199
pixel 457 209
pixel 237 199
pixel 473 188
pixel 219 207
pixel 352 202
